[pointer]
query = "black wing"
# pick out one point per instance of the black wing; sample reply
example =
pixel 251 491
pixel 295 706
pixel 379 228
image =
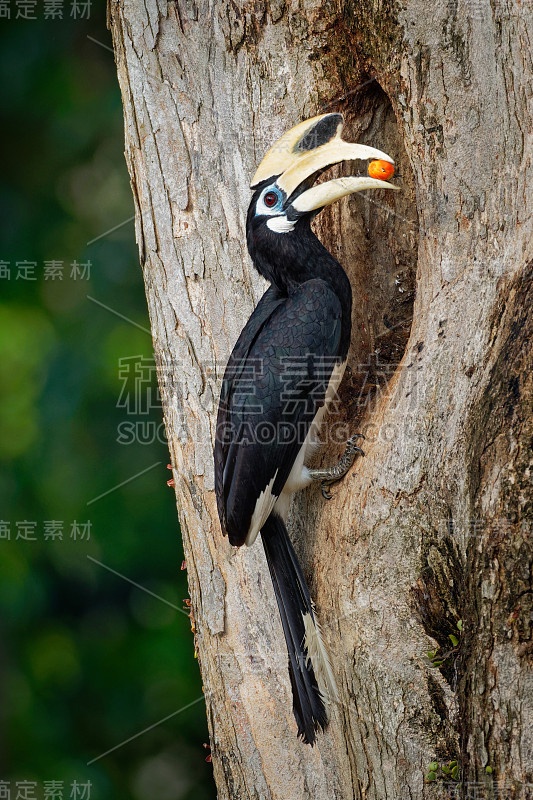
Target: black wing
pixel 275 382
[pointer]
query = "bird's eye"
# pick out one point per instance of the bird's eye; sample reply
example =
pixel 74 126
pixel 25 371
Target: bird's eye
pixel 270 199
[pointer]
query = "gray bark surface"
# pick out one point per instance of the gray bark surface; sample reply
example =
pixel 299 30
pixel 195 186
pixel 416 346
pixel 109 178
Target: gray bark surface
pixel 433 526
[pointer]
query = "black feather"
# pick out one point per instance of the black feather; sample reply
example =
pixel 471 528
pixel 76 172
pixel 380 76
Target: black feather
pixel 294 602
pixel 275 387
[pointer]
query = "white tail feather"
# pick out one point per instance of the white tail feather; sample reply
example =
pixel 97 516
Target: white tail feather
pixel 319 658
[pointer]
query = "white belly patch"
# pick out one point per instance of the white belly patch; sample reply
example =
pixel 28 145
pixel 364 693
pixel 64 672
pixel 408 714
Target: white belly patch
pixel 299 475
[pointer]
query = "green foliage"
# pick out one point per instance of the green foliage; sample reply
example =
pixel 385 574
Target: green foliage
pixel 447 770
pixel 90 659
pixel 436 658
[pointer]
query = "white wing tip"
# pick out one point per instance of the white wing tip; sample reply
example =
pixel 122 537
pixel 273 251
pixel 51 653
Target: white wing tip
pixel 319 658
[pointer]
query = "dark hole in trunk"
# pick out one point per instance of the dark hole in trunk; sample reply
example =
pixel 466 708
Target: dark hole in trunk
pixel 374 235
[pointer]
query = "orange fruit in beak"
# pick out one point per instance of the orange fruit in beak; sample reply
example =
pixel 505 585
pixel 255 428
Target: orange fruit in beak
pixel 382 170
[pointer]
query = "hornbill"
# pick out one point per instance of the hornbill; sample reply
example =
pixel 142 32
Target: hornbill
pixel 282 373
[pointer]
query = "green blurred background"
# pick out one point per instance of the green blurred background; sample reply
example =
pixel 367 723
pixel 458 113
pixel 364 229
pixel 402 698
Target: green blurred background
pixel 88 660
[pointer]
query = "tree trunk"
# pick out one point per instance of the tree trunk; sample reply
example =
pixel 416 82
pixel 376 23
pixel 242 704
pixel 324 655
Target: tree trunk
pixel 433 526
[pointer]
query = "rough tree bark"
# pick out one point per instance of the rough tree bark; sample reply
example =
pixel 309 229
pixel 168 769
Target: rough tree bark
pixel 433 526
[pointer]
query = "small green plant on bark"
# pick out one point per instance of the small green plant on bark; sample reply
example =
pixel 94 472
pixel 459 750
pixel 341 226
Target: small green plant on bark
pixel 447 770
pixel 438 657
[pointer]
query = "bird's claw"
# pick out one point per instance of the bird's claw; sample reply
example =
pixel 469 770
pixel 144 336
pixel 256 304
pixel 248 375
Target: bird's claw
pixel 333 474
pixel 326 494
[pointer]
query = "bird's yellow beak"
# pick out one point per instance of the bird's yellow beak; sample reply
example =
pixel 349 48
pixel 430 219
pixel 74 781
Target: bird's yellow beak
pixel 307 149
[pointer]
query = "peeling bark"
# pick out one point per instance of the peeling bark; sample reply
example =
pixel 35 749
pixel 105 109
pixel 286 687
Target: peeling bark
pixel 433 526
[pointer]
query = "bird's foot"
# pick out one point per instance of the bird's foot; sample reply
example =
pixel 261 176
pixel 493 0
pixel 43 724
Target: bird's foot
pixel 333 474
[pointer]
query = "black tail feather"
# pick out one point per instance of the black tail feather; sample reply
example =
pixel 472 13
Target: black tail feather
pixel 294 603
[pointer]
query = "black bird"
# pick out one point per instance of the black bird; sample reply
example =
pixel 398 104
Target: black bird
pixel 282 373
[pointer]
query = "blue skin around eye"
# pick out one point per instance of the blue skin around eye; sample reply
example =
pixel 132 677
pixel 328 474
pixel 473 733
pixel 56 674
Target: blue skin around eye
pixel 261 207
